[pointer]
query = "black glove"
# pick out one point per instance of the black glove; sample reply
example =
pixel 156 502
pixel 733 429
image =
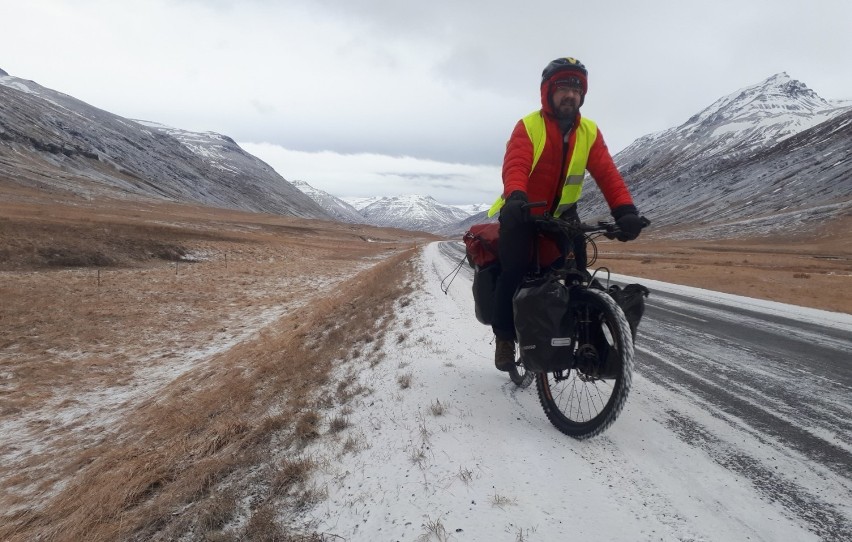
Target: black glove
pixel 628 222
pixel 514 213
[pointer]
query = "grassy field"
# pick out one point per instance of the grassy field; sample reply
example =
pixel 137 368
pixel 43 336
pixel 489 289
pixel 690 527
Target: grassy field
pixel 811 271
pixel 160 366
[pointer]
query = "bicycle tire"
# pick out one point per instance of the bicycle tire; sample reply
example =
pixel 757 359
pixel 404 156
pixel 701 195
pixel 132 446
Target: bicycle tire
pixel 579 402
pixel 520 376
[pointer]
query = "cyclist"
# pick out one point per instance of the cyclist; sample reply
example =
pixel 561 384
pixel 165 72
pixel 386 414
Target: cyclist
pixel 546 159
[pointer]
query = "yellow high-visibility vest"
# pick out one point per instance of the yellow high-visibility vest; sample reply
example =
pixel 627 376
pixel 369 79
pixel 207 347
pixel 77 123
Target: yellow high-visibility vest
pixel 586 132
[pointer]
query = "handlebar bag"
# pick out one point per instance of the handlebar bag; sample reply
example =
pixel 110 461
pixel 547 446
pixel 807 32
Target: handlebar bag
pixel 543 325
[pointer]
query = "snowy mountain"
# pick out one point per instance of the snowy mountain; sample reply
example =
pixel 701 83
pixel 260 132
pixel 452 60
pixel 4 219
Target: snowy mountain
pixel 334 206
pixel 767 158
pixel 747 120
pixel 457 229
pixel 360 203
pixel 56 143
pixel 413 212
pixel 474 208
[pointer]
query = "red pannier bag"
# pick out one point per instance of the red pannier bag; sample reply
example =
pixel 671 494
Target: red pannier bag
pixel 482 242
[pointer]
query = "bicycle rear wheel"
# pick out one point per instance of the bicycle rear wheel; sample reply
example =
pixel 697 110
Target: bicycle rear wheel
pixel 582 402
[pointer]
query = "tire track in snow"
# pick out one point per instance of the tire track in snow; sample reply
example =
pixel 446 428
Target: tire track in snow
pixel 822 518
pixel 756 379
pixel 763 420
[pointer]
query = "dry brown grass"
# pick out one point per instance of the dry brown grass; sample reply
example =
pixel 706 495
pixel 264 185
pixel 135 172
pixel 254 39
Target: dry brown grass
pixel 404 381
pixel 765 268
pixel 124 426
pixel 338 424
pixel 307 426
pixel 438 408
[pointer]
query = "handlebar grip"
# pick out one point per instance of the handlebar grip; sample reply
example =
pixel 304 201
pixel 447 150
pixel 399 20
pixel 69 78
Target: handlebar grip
pixel 613 231
pixel 533 204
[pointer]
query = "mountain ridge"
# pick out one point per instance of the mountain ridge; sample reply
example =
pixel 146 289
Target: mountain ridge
pixel 740 159
pixel 770 157
pixel 336 207
pixel 54 142
pixel 413 212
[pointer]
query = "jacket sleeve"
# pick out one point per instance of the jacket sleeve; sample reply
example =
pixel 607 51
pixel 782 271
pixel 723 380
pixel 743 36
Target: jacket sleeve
pixel 517 163
pixel 606 175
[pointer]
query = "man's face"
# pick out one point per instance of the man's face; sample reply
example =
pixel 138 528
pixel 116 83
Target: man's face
pixel 566 101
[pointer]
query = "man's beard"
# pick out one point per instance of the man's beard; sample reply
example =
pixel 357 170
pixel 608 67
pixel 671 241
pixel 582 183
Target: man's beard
pixel 566 110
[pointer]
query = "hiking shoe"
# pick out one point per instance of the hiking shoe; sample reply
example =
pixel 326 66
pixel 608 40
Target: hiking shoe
pixel 504 355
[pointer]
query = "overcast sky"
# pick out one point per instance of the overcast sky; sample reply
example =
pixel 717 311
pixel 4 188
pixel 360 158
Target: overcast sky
pixel 388 97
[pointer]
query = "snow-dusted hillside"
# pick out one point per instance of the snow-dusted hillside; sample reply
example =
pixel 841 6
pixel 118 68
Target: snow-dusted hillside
pixel 216 149
pixel 474 208
pixel 458 229
pixel 333 205
pixel 360 203
pixel 412 212
pixel 766 113
pixel 767 158
pixel 55 142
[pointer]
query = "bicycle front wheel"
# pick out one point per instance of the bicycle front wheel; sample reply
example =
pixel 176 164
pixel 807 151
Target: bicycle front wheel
pixel 583 401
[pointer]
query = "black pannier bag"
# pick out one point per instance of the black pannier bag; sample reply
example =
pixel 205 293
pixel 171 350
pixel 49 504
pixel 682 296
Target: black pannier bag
pixel 631 299
pixel 543 326
pixel 484 284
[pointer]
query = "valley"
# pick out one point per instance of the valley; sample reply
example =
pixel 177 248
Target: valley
pixel 125 320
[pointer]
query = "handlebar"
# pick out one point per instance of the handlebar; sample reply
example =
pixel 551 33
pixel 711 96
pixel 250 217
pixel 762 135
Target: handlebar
pixel 547 222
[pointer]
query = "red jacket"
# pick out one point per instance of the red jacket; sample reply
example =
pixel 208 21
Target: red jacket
pixel 545 180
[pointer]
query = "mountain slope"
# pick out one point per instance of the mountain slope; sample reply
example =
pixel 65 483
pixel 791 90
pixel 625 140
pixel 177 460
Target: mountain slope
pixel 457 229
pixel 333 205
pixel 762 159
pixel 744 121
pixel 55 142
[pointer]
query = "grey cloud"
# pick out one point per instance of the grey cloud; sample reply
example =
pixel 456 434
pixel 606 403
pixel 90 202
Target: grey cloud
pixel 442 80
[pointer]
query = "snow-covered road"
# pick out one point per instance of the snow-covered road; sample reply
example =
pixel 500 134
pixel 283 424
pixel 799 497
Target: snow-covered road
pixel 737 428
